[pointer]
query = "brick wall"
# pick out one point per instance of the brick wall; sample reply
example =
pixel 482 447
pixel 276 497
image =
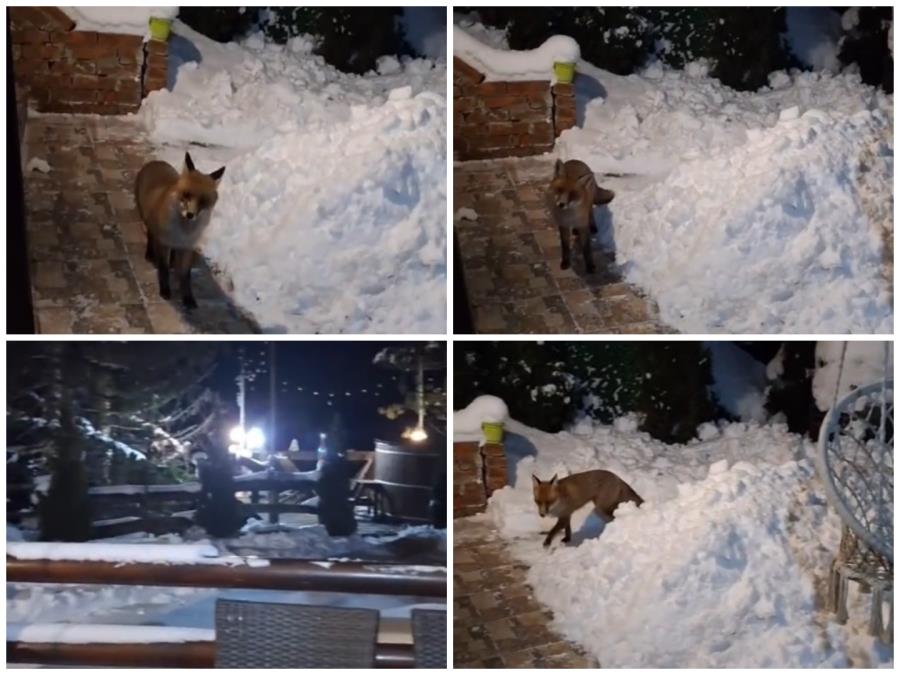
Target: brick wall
pixel 477 471
pixel 64 70
pixel 506 119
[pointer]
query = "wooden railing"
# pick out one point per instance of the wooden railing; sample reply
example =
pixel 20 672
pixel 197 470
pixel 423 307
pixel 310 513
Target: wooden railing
pixel 287 575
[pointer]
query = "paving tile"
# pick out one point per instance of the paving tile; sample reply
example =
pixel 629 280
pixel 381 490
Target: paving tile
pixel 497 623
pixel 511 260
pixel 86 242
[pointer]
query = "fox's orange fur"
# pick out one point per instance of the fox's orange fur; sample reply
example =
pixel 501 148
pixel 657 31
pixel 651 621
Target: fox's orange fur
pixel 175 208
pixel 562 497
pixel 571 198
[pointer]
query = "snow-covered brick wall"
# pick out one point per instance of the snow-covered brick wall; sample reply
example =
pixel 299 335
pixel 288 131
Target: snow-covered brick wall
pixel 513 65
pixel 69 70
pixel 507 118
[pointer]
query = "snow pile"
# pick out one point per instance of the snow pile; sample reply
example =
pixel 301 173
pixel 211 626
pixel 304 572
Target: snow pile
pixel 119 20
pixel 503 64
pixel 341 229
pixel 722 566
pixel 467 422
pixel 331 213
pixel 744 212
pixel 864 363
pixel 471 24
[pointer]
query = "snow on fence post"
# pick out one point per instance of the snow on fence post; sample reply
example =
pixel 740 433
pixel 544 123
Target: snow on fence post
pixel 65 70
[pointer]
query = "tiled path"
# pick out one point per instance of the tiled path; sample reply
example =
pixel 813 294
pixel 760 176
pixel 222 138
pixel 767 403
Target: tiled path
pixel 497 623
pixel 86 241
pixel 511 257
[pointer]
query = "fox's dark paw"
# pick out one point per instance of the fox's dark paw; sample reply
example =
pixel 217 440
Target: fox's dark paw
pixel 564 265
pixel 189 302
pixel 165 293
pixel 546 544
pixel 566 540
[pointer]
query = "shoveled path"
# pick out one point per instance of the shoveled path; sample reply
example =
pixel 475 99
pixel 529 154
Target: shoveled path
pixel 511 253
pixel 86 242
pixel 497 623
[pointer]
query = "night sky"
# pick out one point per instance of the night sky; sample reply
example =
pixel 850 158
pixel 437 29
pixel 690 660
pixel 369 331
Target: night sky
pixel 315 379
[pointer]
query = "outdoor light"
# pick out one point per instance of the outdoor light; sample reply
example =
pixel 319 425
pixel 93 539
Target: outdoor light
pixel 255 438
pixel 243 443
pixel 418 435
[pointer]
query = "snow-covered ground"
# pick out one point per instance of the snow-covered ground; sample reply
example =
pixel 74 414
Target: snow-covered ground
pixel 740 212
pixel 331 214
pixel 36 611
pixel 724 565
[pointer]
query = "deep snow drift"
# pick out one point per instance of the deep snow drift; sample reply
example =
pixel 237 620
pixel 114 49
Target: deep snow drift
pixel 746 212
pixel 740 212
pixel 331 213
pixel 724 565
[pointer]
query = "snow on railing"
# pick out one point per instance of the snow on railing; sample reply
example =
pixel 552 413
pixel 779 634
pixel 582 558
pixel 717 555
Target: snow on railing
pixel 182 554
pixel 69 633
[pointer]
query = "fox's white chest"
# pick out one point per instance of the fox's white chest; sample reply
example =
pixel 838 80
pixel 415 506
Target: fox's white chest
pixel 556 509
pixel 182 233
pixel 570 218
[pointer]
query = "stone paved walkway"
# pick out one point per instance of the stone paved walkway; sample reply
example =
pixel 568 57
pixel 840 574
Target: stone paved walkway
pixel 497 623
pixel 511 257
pixel 86 241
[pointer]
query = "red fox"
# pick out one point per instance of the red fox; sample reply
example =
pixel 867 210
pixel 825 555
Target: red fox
pixel 175 208
pixel 561 498
pixel 571 198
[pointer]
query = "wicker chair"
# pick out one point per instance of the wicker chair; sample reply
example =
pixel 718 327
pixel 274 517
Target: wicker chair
pixel 429 628
pixel 276 635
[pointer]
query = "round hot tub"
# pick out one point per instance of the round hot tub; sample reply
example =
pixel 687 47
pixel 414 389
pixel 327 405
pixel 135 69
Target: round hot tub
pixel 407 477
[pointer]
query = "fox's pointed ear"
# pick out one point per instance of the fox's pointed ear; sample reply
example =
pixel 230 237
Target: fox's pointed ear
pixel 559 169
pixel 535 480
pixel 217 174
pixel 553 480
pixel 188 162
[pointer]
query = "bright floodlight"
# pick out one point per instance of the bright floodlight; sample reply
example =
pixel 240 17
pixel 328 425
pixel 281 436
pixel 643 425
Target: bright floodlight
pixel 418 435
pixel 255 438
pixel 237 435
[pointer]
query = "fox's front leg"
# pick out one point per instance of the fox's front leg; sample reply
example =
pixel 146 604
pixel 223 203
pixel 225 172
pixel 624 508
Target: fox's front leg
pixel 567 537
pixel 586 251
pixel 564 236
pixel 560 524
pixel 162 269
pixel 183 262
pixel 149 255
